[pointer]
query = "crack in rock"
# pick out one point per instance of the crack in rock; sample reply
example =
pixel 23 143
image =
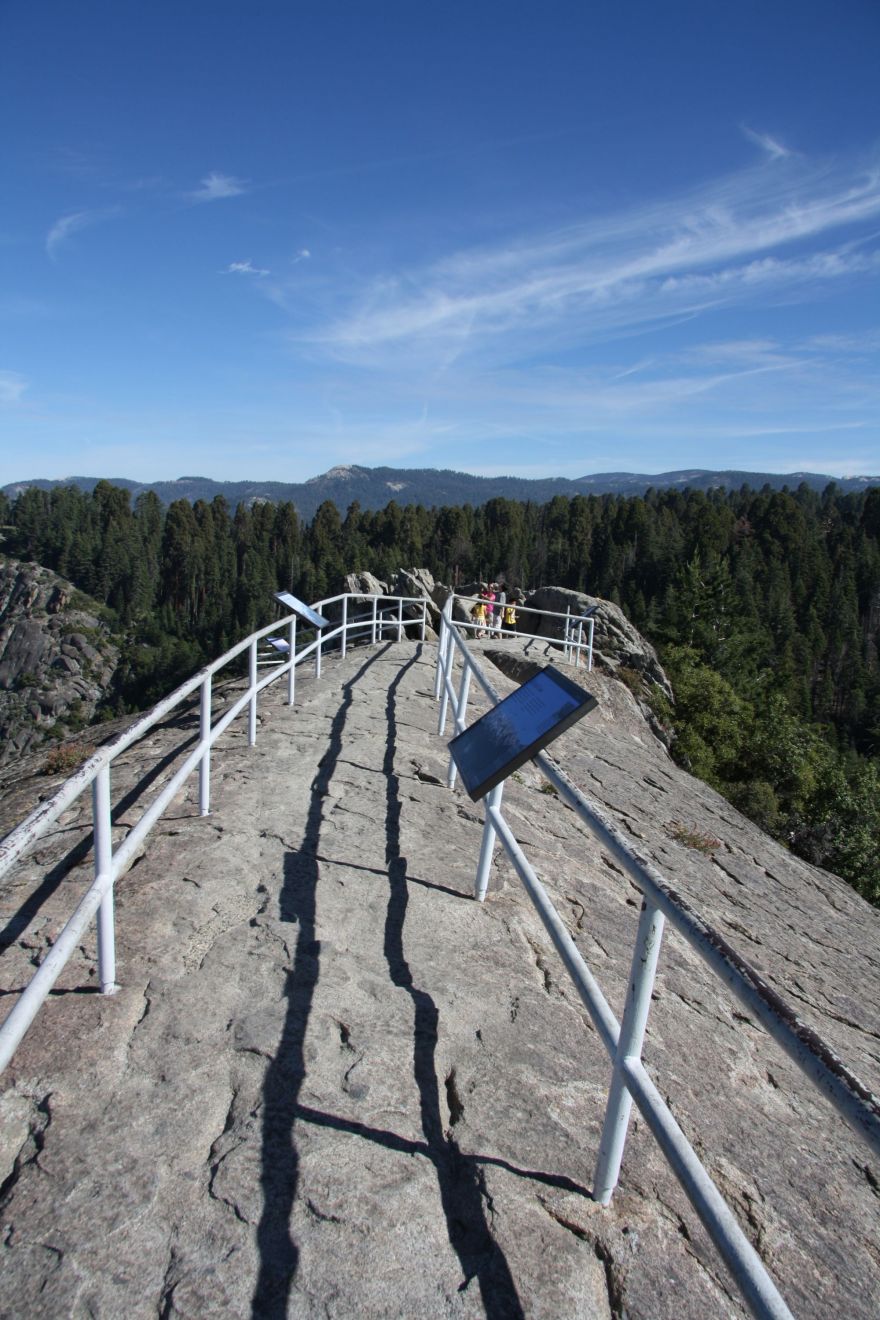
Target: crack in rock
pixel 613 1280
pixel 170 1280
pixel 216 1161
pixel 319 1215
pixel 541 964
pixel 453 1099
pixel 31 1149
pixel 870 1176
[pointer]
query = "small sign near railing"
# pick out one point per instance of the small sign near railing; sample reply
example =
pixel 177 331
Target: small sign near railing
pixel 304 611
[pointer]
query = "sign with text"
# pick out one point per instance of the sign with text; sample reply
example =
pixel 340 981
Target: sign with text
pixel 304 611
pixel 517 728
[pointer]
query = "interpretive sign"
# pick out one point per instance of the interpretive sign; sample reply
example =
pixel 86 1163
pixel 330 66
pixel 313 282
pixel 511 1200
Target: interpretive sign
pixel 517 728
pixel 304 611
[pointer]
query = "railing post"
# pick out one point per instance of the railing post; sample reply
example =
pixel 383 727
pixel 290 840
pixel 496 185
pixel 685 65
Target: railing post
pixel 252 707
pixel 447 663
pixel 291 677
pixel 566 650
pixel 629 1045
pixel 493 799
pixel 344 625
pixel 460 719
pixel 375 612
pixel 204 735
pixel 102 825
pixel 318 648
pixel 443 644
pixel 400 618
pixel 424 619
pixel 590 647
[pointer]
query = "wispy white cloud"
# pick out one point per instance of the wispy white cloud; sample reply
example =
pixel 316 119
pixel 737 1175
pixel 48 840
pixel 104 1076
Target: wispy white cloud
pixel 723 402
pixel 12 387
pixel 216 186
pixel 244 268
pixel 733 240
pixel 302 255
pixel 867 342
pixel 67 225
pixel 771 145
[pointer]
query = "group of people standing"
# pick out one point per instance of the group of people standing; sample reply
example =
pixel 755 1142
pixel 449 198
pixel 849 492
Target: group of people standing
pixel 494 611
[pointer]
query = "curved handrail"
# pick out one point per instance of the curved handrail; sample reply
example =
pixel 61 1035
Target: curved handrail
pixel 18 840
pixel 95 773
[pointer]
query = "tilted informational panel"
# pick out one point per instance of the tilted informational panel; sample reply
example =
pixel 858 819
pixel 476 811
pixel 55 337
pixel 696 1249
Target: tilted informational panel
pixel 304 611
pixel 515 730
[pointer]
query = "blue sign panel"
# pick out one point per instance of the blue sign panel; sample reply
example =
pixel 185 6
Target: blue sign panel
pixel 517 728
pixel 304 611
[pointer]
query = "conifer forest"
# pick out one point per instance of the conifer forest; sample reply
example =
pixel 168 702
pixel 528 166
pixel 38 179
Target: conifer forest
pixel 764 606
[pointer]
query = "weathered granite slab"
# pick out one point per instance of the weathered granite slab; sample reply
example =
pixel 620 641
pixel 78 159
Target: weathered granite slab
pixel 56 659
pixel 332 1084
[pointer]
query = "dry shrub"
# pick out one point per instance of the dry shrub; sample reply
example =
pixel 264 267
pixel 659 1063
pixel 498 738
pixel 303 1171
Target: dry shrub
pixel 691 837
pixel 66 757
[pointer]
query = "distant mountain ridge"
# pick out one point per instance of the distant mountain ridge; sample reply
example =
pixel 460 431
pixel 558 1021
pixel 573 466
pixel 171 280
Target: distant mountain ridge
pixel 373 488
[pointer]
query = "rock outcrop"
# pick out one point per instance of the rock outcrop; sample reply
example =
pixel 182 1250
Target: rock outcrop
pixel 56 658
pixel 412 582
pixel 332 1084
pixel 617 645
pixel 366 583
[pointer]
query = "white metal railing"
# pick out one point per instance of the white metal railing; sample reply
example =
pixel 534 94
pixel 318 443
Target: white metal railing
pixel 576 630
pixel 623 1041
pixel 110 862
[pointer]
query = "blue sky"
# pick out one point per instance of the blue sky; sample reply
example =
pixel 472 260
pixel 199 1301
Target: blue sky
pixel 261 239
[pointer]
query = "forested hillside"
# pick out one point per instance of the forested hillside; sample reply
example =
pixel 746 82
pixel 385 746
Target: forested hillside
pixel 765 606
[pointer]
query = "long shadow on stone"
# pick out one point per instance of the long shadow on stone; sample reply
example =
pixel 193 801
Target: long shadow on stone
pixel 460 1180
pixel 406 1146
pixel 279 1254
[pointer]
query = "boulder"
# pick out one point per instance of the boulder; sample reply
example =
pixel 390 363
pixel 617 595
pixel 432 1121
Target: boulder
pixel 414 582
pixel 366 583
pixel 418 582
pixel 617 644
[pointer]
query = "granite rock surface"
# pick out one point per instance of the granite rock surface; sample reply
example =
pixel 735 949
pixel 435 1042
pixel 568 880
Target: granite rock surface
pixel 617 643
pixel 332 1084
pixel 56 658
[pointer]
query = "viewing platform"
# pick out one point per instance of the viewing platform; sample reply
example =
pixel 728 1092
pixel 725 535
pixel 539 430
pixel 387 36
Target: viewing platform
pixel 332 1084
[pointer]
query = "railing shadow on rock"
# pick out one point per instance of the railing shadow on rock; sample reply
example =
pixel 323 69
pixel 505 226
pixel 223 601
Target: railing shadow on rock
pixel 623 1040
pixel 383 619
